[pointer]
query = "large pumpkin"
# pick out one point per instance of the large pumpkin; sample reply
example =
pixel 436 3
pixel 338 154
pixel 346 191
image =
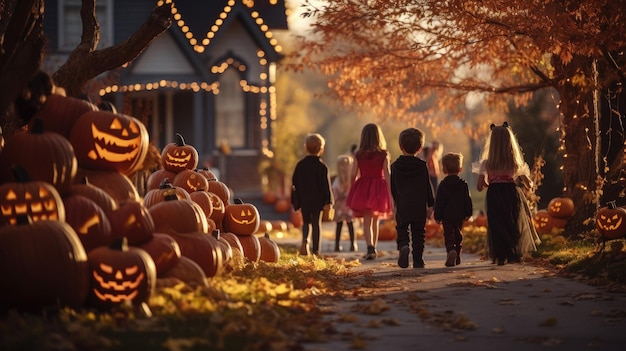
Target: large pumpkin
pixel 187 271
pixel 39 200
pixel 251 247
pixel 611 221
pixel 109 141
pixel 116 184
pixel 106 202
pixel 133 221
pixel 45 156
pixel 164 251
pixel 561 207
pixel 241 218
pixel 233 241
pixel 120 273
pixel 89 221
pixel 42 264
pixel 203 249
pixel 177 157
pixel 178 216
pixel 59 113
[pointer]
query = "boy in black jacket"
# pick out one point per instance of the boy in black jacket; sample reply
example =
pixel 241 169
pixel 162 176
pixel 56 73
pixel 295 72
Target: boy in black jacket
pixel 311 192
pixel 412 195
pixel 453 205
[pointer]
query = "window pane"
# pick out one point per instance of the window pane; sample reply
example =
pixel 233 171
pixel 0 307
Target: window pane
pixel 229 107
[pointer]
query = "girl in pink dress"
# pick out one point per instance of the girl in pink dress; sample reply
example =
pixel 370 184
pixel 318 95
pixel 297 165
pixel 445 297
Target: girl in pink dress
pixel 370 193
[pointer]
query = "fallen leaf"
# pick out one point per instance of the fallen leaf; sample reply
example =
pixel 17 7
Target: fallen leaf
pixel 550 322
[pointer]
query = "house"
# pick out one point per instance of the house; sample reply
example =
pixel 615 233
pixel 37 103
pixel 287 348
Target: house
pixel 210 77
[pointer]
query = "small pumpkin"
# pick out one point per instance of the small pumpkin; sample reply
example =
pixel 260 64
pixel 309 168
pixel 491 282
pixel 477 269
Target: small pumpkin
pixel 282 205
pixel 156 178
pixel 177 157
pixel 165 191
pixel 206 172
pixel 251 247
pixel 544 222
pixel 387 230
pixel 187 271
pixel 224 245
pixel 241 218
pixel 120 273
pixel 220 189
pixel 270 197
pixel 264 226
pixel 203 199
pixel 611 221
pixel 190 181
pixel 219 210
pixel 295 217
pixel 270 252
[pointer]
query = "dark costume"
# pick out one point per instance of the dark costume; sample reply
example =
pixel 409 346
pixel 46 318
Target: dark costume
pixel 311 191
pixel 452 205
pixel 412 195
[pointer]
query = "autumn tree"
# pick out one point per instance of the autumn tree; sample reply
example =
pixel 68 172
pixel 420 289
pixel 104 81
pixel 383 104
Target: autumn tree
pixel 423 60
pixel 22 45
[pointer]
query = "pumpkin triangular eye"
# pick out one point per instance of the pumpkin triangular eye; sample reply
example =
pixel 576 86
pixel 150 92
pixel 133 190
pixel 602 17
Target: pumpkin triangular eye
pixel 243 213
pixel 183 153
pixel 43 193
pixel 249 213
pixel 106 268
pixel 134 127
pixel 116 124
pixel 11 195
pixel 28 196
pixel 131 270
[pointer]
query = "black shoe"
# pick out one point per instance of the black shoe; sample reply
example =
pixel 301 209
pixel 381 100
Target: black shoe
pixel 418 264
pixel 371 253
pixel 458 259
pixel 354 247
pixel 403 257
pixel 338 248
pixel 501 261
pixel 451 259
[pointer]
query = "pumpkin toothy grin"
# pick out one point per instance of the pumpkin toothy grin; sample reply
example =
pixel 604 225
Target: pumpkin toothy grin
pixel 103 152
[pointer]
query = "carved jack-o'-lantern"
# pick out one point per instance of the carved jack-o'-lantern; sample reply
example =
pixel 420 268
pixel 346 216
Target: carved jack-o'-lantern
pixel 120 273
pixel 109 141
pixel 190 181
pixel 561 207
pixel 177 157
pixel 89 221
pixel 39 200
pixel 611 221
pixel 219 209
pixel 241 218
pixel 544 222
pixel 133 221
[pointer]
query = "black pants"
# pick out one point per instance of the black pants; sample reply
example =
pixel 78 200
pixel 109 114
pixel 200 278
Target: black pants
pixel 417 230
pixel 312 221
pixel 452 235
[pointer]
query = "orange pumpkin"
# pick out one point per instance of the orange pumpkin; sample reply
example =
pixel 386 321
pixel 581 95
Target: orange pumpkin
pixel 106 202
pixel 233 241
pixel 282 205
pixel 133 221
pixel 270 252
pixel 296 218
pixel 251 247
pixel 89 221
pixel 116 184
pixel 241 218
pixel 611 221
pixel 203 199
pixel 201 248
pixel 190 181
pixel 264 226
pixel 166 190
pixel 187 271
pixel 544 222
pixel 59 113
pixel 108 141
pixel 156 178
pixel 220 189
pixel 164 251
pixel 387 230
pixel 270 197
pixel 177 157
pixel 178 216
pixel 561 207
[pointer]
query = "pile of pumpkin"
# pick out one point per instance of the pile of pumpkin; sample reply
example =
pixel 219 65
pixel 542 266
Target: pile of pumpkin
pixel 555 217
pixel 74 230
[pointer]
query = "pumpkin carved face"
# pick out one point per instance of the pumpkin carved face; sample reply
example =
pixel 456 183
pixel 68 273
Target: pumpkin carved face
pixel 109 141
pixel 190 181
pixel 39 200
pixel 561 207
pixel 119 274
pixel 179 156
pixel 610 221
pixel 241 218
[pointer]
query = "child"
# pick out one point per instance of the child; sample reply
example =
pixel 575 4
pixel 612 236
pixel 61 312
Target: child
pixel 311 191
pixel 433 161
pixel 343 213
pixel 369 195
pixel 413 197
pixel 510 232
pixel 453 205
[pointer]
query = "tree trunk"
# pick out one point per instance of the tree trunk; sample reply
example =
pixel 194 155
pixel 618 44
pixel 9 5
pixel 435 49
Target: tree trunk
pixel 579 169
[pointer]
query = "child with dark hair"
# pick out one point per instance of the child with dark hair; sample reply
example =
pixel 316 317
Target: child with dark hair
pixel 453 205
pixel 413 197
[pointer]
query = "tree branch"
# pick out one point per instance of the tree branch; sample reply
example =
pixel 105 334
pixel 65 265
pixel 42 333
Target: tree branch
pixel 84 63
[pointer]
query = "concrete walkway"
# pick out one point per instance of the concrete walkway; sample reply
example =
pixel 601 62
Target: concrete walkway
pixel 473 306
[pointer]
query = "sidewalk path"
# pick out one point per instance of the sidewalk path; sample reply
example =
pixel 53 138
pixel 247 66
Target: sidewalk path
pixel 473 306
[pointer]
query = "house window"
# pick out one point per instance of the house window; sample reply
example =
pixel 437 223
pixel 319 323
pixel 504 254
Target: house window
pixel 230 123
pixel 71 25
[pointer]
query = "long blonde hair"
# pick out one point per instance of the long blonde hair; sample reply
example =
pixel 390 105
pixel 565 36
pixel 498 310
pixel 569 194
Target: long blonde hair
pixel 344 170
pixel 502 151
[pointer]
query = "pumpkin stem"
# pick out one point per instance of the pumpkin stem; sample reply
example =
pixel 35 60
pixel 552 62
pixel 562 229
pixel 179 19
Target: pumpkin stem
pixel 216 234
pixel 181 140
pixel 267 235
pixel 120 244
pixel 166 184
pixel 611 205
pixel 20 174
pixel 238 201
